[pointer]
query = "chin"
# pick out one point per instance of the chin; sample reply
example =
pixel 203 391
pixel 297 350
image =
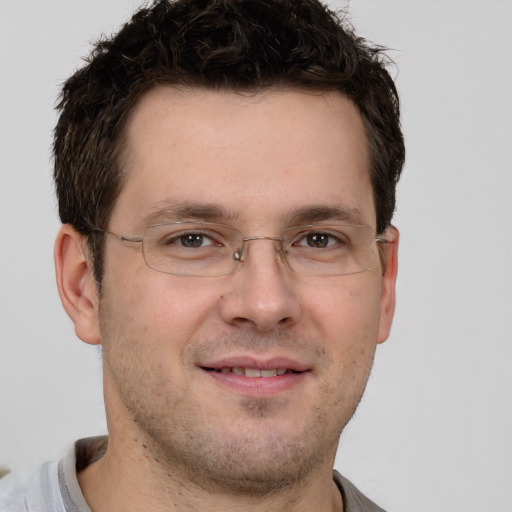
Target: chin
pixel 251 461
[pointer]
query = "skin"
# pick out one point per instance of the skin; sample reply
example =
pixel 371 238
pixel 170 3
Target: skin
pixel 180 439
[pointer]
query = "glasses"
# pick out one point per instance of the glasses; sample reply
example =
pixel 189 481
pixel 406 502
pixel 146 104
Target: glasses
pixel 209 250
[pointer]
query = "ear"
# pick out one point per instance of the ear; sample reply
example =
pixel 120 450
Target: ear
pixel 388 295
pixel 76 284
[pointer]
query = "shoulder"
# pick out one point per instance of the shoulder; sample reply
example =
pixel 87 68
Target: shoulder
pixel 353 499
pixel 37 494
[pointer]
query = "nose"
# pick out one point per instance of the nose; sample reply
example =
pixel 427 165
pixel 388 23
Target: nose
pixel 262 291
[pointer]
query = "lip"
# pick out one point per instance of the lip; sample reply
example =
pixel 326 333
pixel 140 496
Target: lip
pixel 257 364
pixel 297 372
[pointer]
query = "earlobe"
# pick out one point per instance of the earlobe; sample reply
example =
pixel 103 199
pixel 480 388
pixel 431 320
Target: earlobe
pixel 388 294
pixel 76 284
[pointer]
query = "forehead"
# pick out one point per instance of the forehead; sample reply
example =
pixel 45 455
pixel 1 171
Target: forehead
pixel 248 155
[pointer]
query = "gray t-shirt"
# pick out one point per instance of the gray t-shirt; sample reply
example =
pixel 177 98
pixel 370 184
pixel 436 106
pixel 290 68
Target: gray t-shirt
pixel 55 488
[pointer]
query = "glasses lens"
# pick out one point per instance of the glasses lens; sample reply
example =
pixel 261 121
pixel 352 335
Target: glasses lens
pixel 330 250
pixel 191 249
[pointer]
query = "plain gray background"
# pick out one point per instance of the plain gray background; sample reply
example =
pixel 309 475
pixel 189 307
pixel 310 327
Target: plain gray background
pixel 433 431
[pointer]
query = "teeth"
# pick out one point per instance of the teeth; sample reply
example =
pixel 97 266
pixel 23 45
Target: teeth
pixel 253 372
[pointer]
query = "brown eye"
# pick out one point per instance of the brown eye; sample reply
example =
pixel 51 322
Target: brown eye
pixel 192 240
pixel 318 240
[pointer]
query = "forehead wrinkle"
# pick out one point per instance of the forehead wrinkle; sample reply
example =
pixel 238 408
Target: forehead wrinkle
pixel 317 213
pixel 177 210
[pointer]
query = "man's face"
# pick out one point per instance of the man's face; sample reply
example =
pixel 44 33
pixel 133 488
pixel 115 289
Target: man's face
pixel 252 162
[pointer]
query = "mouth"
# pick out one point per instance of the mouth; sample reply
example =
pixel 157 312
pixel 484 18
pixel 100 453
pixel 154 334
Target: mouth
pixel 253 372
pixel 257 378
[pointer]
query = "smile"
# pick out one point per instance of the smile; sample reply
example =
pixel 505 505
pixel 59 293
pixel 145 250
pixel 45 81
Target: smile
pixel 263 378
pixel 252 372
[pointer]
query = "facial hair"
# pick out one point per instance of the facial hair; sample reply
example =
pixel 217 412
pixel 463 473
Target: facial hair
pixel 255 456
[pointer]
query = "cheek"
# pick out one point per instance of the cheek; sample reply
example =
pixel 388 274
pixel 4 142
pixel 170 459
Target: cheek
pixel 347 308
pixel 347 318
pixel 159 309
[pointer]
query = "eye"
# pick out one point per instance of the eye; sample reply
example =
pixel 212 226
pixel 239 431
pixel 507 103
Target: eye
pixel 193 240
pixel 318 240
pixel 188 240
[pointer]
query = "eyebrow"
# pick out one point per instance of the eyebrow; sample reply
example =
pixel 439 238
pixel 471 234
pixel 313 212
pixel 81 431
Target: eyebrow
pixel 318 213
pixel 177 210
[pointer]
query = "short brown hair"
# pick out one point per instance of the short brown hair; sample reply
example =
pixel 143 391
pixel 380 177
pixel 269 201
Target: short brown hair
pixel 239 45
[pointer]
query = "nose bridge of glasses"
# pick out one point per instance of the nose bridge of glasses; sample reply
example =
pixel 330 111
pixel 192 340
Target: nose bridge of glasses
pixel 240 254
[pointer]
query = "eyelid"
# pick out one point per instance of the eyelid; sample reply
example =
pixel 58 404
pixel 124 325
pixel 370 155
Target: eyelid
pixel 176 235
pixel 213 229
pixel 336 237
pixel 177 231
pixel 331 229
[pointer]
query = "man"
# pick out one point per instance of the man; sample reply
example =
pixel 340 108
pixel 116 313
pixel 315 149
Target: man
pixel 226 176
